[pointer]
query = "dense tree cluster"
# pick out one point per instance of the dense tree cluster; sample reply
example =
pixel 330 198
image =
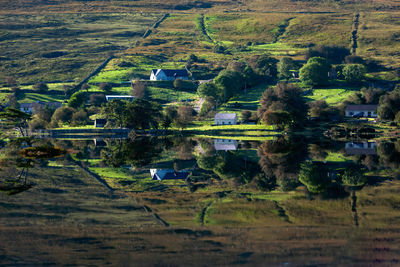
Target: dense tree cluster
pixel 283 105
pixel 315 72
pixel 334 54
pixel 389 105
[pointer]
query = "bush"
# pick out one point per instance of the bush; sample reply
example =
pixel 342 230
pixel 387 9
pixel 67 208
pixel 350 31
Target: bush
pixel 97 99
pixel 41 87
pixel 77 99
pixel 79 118
pixel 106 87
pixel 62 114
pixel 354 73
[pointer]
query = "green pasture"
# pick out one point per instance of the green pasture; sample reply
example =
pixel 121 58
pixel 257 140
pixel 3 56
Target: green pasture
pixel 331 96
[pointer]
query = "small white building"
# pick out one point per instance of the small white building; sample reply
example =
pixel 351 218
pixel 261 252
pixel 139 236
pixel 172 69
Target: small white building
pixel 120 97
pixel 169 75
pixel 367 111
pixel 225 144
pixel 225 119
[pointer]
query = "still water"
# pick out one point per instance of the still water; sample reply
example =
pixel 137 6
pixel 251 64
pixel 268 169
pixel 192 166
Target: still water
pixel 188 201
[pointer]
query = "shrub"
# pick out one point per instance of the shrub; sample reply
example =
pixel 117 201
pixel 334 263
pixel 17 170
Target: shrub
pixel 41 87
pixel 354 73
pixel 106 87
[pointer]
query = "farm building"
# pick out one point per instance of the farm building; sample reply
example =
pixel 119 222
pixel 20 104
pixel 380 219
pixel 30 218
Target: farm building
pixel 167 174
pixel 368 111
pixel 120 97
pixel 225 119
pixel 169 75
pixel 32 107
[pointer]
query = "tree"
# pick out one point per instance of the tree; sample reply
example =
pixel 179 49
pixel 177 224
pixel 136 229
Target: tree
pixel 334 54
pixel 283 104
pixel 86 87
pixel 372 95
pixel 114 111
pixel 313 177
pixel 354 73
pixel 185 115
pixel 79 118
pixel 389 105
pixel 179 84
pixel 208 89
pixel 141 114
pixel 353 176
pixel 68 89
pixel 139 90
pixel 170 114
pixel 41 87
pixel 246 114
pixel 250 77
pixel 15 118
pixel 78 99
pixel 228 83
pixel 265 65
pixel 286 64
pixel 62 114
pixel 43 112
pixel 97 99
pixel 313 74
pixel 106 87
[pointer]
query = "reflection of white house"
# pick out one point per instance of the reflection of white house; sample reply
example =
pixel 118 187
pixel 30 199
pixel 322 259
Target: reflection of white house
pixel 360 148
pixel 168 174
pixel 120 97
pixel 32 107
pixel 225 118
pixel 99 142
pixel 362 111
pixel 100 123
pixel 169 75
pixel 225 144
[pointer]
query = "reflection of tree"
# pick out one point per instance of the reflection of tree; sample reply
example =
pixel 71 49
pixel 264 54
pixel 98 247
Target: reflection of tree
pixel 14 175
pixel 138 152
pixel 229 166
pixel 281 158
pixel 354 178
pixel 314 177
pixel 389 154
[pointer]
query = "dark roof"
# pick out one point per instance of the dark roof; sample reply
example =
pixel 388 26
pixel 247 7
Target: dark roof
pixel 362 107
pixel 173 73
pixel 225 116
pixel 171 175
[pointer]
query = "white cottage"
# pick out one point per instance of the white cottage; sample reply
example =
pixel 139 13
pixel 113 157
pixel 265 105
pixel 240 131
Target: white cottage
pixel 169 75
pixel 225 119
pixel 120 97
pixel 367 111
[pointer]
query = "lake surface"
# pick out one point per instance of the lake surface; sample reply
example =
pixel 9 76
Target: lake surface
pixel 190 201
